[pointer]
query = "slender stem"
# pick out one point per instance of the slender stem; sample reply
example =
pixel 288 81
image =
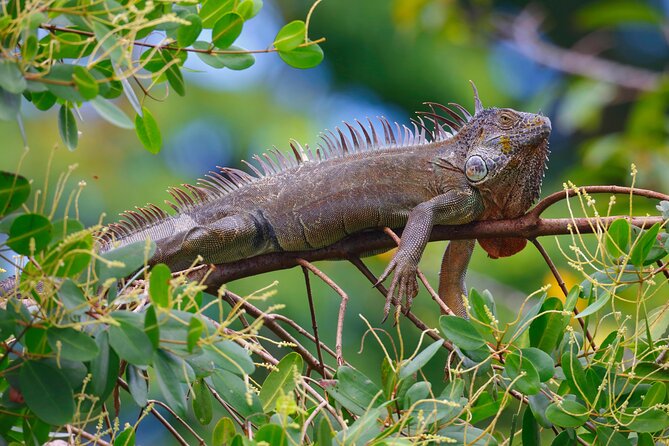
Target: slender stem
pixel 342 306
pixel 314 324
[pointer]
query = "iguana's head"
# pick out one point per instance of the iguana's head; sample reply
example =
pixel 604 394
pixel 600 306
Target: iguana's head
pixel 506 153
pixel 506 157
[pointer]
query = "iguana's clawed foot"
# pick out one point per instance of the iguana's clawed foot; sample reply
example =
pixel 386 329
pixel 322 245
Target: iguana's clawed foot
pixel 403 285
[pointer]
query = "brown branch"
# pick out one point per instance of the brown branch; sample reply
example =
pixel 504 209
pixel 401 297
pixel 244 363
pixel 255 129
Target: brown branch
pixel 528 226
pixel 524 33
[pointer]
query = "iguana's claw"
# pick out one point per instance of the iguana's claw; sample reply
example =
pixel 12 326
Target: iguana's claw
pixel 403 285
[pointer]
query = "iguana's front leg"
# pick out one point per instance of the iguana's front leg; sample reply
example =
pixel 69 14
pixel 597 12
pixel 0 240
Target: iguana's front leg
pixel 452 208
pixel 453 272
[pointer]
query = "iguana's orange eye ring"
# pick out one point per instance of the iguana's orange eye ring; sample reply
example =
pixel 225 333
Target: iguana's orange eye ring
pixel 476 169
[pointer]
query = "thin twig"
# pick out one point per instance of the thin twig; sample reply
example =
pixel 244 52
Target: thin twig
pixel 312 312
pixel 272 325
pixel 563 287
pixel 342 306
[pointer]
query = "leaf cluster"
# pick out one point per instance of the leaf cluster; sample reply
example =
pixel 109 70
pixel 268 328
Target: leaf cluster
pixel 65 54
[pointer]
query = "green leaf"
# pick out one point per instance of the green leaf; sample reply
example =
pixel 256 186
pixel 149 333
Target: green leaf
pixel 151 326
pixel 227 29
pixel 67 127
pixel 132 257
pixel 14 191
pixel 213 10
pixel 595 306
pixel 223 432
pixel 485 407
pixel 324 434
pixel 657 394
pixel 47 392
pixel 572 298
pixel 523 372
pixel 362 431
pixel 125 438
pixel 10 106
pixel 618 237
pixel 159 282
pixel 575 374
pixel 148 131
pixel 11 78
pixel 60 82
pixel 130 342
pixel 74 344
pixel 608 437
pixel 27 230
pixel 419 360
pixel 644 245
pixel 175 79
pixel 290 36
pixel 187 34
pixel 233 390
pixel 530 435
pixel 548 328
pixel 195 328
pixel 43 100
pixel 138 384
pixel 568 413
pixel 419 391
pixel 478 302
pixel 104 368
pixel 648 420
pixel 111 113
pixel 249 8
pixel 461 332
pixel 272 434
pixel 303 56
pixel 465 434
pixel 231 357
pixel 85 82
pixel 280 381
pixel 538 404
pixel 169 374
pixel 201 402
pixel 565 438
pixel 524 322
pixel 72 297
pixel 29 48
pixel 236 59
pixel 541 361
pixel 356 392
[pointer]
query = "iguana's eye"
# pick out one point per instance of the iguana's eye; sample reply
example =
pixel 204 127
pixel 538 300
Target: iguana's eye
pixel 476 169
pixel 507 120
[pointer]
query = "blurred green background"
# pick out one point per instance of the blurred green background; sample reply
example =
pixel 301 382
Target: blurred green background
pixel 386 57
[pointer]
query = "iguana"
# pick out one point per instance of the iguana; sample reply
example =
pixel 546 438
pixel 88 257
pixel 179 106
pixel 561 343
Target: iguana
pixel 466 168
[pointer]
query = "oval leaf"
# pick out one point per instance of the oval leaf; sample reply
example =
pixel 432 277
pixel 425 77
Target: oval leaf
pixel 201 402
pixel 72 344
pixel 290 36
pixel 419 360
pixel 227 29
pixel 47 392
pixel 67 127
pixel 187 34
pixel 525 375
pixel 159 282
pixel 14 191
pixel 280 381
pixel 27 230
pixel 131 343
pixel 461 332
pixel 148 131
pixel 303 56
pixel 111 113
pixel 169 374
pixel 567 414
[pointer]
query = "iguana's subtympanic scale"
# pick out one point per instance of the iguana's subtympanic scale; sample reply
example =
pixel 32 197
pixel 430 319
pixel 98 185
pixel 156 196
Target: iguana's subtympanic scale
pixel 486 166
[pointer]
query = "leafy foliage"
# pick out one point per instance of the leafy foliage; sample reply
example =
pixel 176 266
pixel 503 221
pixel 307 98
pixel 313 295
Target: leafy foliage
pixel 75 337
pixel 73 53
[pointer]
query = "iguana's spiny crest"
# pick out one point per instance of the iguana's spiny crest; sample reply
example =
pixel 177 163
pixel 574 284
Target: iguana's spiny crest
pixel 355 138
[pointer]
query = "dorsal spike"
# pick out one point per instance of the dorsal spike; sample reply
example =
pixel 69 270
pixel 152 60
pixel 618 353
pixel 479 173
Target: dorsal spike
pixel 478 106
pixel 344 140
pixel 272 163
pixel 263 165
pixel 463 110
pixel 253 168
pixel 458 119
pixel 375 137
pixel 435 118
pixel 364 131
pixel 357 138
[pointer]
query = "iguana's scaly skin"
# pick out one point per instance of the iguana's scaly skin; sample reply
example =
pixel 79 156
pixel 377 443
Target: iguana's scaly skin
pixel 489 168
